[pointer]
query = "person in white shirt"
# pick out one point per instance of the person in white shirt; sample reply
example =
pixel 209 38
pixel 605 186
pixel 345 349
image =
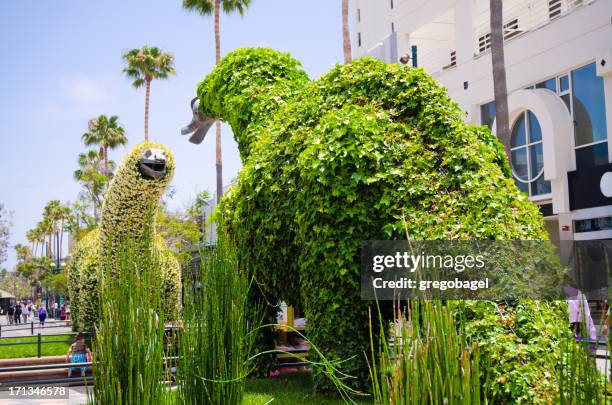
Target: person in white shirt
pixel 580 313
pixel 25 312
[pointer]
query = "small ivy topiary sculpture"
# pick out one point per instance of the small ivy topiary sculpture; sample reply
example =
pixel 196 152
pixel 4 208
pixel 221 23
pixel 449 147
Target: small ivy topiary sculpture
pixel 368 151
pixel 128 219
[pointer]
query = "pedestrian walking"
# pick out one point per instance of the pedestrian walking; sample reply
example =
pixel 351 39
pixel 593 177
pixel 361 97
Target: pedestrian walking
pixel 18 313
pixel 10 314
pixel 42 315
pixel 25 313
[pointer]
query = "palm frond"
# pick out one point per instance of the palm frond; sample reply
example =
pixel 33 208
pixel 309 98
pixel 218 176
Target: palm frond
pixel 202 7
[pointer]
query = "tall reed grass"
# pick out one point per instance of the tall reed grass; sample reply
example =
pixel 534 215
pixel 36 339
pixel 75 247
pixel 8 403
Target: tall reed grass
pixel 579 380
pixel 216 340
pixel 428 361
pixel 129 347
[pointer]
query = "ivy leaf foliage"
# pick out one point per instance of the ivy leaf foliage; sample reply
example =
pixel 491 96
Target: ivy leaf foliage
pixel 368 151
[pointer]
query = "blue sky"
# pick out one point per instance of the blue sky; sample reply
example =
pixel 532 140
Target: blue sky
pixel 61 65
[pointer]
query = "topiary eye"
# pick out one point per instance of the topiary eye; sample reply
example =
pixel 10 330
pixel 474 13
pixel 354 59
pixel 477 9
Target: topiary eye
pixel 148 153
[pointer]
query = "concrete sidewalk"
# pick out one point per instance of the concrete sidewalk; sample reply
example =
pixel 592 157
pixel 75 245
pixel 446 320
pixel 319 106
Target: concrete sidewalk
pixel 52 327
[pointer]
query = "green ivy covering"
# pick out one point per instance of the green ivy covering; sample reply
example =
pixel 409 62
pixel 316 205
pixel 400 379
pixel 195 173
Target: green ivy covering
pixel 128 218
pixel 368 151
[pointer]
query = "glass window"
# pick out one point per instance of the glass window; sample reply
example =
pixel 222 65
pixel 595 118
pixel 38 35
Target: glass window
pixel 535 132
pixel 593 155
pixel 550 84
pixel 487 114
pixel 593 225
pixel 519 163
pixel 589 106
pixel 518 133
pixel 527 155
pixel 563 83
pixel 566 100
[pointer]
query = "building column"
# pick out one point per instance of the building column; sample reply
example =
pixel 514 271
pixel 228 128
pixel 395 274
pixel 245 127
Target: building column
pixel 464 31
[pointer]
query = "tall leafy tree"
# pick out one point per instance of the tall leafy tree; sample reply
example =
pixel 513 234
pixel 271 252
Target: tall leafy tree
pixel 144 65
pixel 5 224
pixel 346 35
pixel 500 90
pixel 106 133
pixel 208 7
pixel 90 176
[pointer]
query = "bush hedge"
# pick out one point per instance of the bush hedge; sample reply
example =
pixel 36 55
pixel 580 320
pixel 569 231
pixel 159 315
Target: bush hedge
pixel 368 151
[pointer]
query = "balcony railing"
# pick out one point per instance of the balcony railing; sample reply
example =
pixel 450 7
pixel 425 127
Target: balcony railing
pixel 438 59
pixel 521 17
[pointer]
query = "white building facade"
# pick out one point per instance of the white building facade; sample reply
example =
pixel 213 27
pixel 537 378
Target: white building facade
pixel 558 56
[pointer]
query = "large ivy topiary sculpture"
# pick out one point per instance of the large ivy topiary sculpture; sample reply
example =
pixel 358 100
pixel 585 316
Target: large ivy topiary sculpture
pixel 368 151
pixel 128 219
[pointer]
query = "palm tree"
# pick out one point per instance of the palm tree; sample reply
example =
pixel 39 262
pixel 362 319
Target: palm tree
pixel 208 7
pixel 144 65
pixel 500 90
pixel 346 36
pixel 32 237
pixel 90 176
pixel 50 213
pixel 106 133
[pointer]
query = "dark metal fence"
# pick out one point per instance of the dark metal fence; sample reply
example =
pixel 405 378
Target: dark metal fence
pixel 39 342
pixel 9 328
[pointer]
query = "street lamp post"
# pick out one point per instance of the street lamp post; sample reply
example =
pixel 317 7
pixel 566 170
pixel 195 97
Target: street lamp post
pixel 58 269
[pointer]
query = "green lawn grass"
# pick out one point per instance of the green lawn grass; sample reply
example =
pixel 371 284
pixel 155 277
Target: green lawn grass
pixel 290 389
pixel 31 350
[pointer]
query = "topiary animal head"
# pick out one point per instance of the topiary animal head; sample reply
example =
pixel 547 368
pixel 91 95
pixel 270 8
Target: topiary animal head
pixel 136 189
pixel 243 90
pixel 148 166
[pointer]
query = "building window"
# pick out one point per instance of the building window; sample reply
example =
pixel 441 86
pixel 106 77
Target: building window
pixel 527 155
pixel 550 84
pixel 391 4
pixel 358 15
pixel 392 27
pixel 582 92
pixel 487 114
pixel 593 225
pixel 589 115
pixel 359 39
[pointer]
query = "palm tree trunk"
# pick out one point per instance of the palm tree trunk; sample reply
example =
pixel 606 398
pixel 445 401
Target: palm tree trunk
pixel 105 149
pixel 146 119
pixel 218 156
pixel 61 241
pixel 500 90
pixel 346 36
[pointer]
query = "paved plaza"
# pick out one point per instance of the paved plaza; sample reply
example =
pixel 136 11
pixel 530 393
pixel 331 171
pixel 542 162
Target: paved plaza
pixel 52 327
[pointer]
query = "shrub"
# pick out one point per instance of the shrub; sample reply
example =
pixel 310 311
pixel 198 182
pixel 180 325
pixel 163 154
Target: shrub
pixel 368 151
